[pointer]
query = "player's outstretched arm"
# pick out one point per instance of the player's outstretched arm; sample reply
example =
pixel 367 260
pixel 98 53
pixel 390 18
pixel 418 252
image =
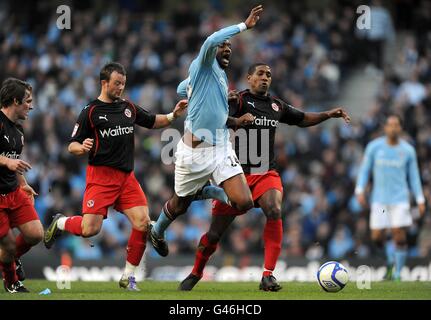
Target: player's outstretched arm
pixel 79 149
pixel 164 120
pixel 313 118
pixel 208 50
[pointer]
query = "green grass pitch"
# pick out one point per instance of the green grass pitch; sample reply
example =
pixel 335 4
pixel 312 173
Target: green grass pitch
pixel 151 290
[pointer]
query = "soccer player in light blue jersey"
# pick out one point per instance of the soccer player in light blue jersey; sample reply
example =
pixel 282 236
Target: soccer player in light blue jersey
pixel 205 151
pixel 392 163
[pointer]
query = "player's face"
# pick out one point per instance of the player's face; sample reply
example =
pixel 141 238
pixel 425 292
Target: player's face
pixel 260 80
pixel 23 109
pixel 115 85
pixel 223 54
pixel 393 127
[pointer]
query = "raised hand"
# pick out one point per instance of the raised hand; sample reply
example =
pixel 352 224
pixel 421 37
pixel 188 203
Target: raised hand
pixel 254 16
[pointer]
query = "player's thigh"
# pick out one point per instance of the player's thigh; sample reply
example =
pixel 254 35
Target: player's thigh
pixel 32 231
pixel 189 181
pixel 98 198
pixel 23 215
pixel 193 168
pixel 379 217
pixel 400 216
pixel 138 217
pixel 237 189
pixel 130 195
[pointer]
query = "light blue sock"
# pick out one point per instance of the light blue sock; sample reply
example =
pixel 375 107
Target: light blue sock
pixel 390 253
pixel 400 261
pixel 161 224
pixel 213 192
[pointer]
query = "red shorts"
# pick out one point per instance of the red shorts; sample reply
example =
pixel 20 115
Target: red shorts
pixel 106 186
pixel 15 209
pixel 259 184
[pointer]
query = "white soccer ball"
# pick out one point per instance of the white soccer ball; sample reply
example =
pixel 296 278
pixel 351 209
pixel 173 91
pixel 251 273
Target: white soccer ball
pixel 332 276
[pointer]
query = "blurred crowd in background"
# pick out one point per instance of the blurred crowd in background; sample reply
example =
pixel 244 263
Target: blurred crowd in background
pixel 311 51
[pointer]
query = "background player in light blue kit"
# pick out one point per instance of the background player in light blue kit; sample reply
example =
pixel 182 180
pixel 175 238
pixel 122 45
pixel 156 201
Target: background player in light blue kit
pixel 392 163
pixel 205 151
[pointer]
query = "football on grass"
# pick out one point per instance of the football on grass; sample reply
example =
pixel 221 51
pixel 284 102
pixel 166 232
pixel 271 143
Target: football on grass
pixel 332 276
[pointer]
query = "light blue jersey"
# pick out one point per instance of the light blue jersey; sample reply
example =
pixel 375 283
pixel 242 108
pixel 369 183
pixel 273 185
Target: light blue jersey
pixel 394 169
pixel 207 91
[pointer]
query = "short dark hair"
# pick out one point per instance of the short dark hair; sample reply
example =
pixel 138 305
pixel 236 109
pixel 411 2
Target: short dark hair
pixel 12 89
pixel 253 67
pixel 105 72
pixel 396 115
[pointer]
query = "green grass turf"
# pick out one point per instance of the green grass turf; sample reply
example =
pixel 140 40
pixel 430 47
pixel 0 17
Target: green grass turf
pixel 151 290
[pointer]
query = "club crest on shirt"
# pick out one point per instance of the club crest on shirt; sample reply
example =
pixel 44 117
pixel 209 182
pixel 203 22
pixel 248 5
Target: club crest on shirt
pixel 128 113
pixel 275 107
pixel 90 203
pixel 75 129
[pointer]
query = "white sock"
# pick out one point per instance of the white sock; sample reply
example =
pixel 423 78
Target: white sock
pixel 61 223
pixel 129 270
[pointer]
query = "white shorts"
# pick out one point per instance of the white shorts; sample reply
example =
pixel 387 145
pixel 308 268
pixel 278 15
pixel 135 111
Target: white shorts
pixel 195 166
pixel 390 216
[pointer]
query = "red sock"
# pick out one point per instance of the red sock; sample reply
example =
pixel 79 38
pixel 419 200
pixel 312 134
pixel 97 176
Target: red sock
pixel 21 246
pixel 136 246
pixel 9 274
pixel 203 253
pixel 73 225
pixel 272 237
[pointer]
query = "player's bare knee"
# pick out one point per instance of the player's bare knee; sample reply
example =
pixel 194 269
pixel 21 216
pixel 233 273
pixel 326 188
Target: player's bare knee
pixel 273 212
pixel 245 204
pixel 91 230
pixel 141 224
pixel 34 238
